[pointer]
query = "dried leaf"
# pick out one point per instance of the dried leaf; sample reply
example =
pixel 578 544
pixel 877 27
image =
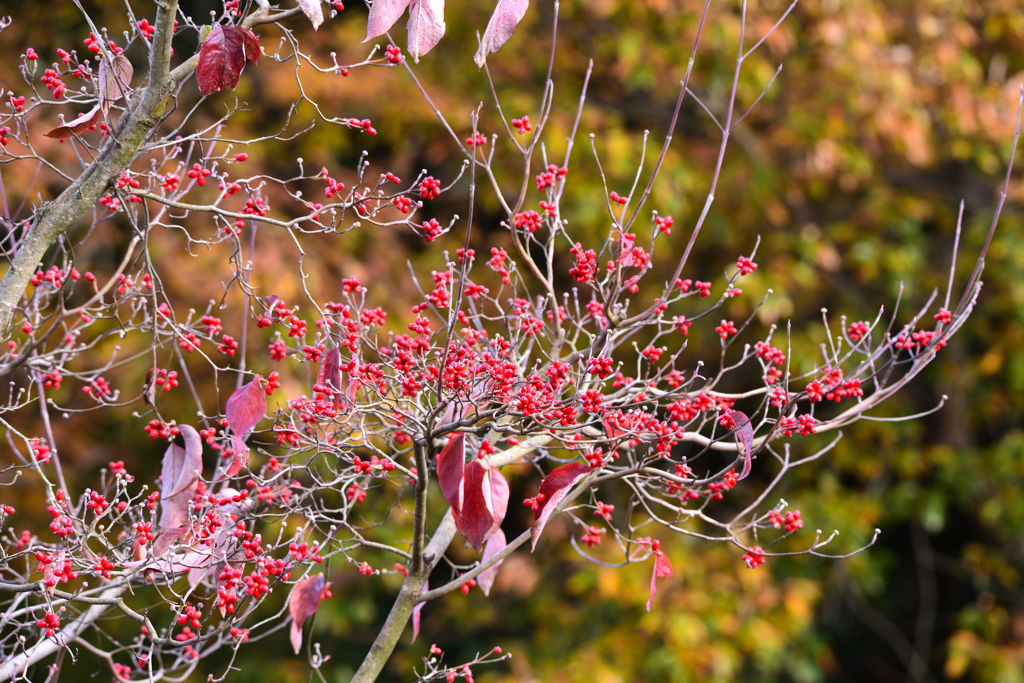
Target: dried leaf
pixel 246 407
pixel 77 125
pixel 495 545
pixel 149 392
pixel 313 12
pixel 507 14
pixel 425 26
pixel 383 15
pixel 554 487
pixel 302 604
pixel 181 467
pixel 745 435
pixel 222 57
pixel 115 81
pixel 450 468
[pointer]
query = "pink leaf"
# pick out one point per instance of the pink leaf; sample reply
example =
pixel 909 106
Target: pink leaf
pixel 425 26
pixel 554 488
pixel 383 15
pixel 484 502
pixel 313 12
pixel 745 435
pixel 204 561
pixel 330 374
pixel 503 22
pixel 450 467
pixel 224 608
pixel 246 407
pixel 302 604
pixel 180 472
pixel 51 568
pixel 139 551
pixel 351 394
pixel 416 614
pixel 77 125
pixel 222 57
pixel 455 411
pixel 174 509
pixel 114 82
pixel 199 559
pixel 494 546
pixel 168 537
pixel 239 457
pixel 662 569
pixel 182 467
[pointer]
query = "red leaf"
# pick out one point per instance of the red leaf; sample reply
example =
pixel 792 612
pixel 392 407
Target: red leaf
pixel 662 569
pixel 484 502
pixel 503 22
pixel 251 45
pixel 425 26
pixel 450 468
pixel 613 427
pixel 180 471
pixel 554 487
pixel 494 546
pixel 302 604
pixel 313 12
pixel 330 374
pixel 499 500
pixel 745 435
pixel 222 57
pixel 383 15
pixel 246 407
pixel 416 613
pixel 77 125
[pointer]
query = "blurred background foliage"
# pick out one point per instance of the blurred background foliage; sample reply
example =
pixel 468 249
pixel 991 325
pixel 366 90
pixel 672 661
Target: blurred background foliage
pixel 851 169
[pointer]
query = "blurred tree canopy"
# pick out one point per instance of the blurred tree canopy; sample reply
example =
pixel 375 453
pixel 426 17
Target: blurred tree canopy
pixel 851 170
